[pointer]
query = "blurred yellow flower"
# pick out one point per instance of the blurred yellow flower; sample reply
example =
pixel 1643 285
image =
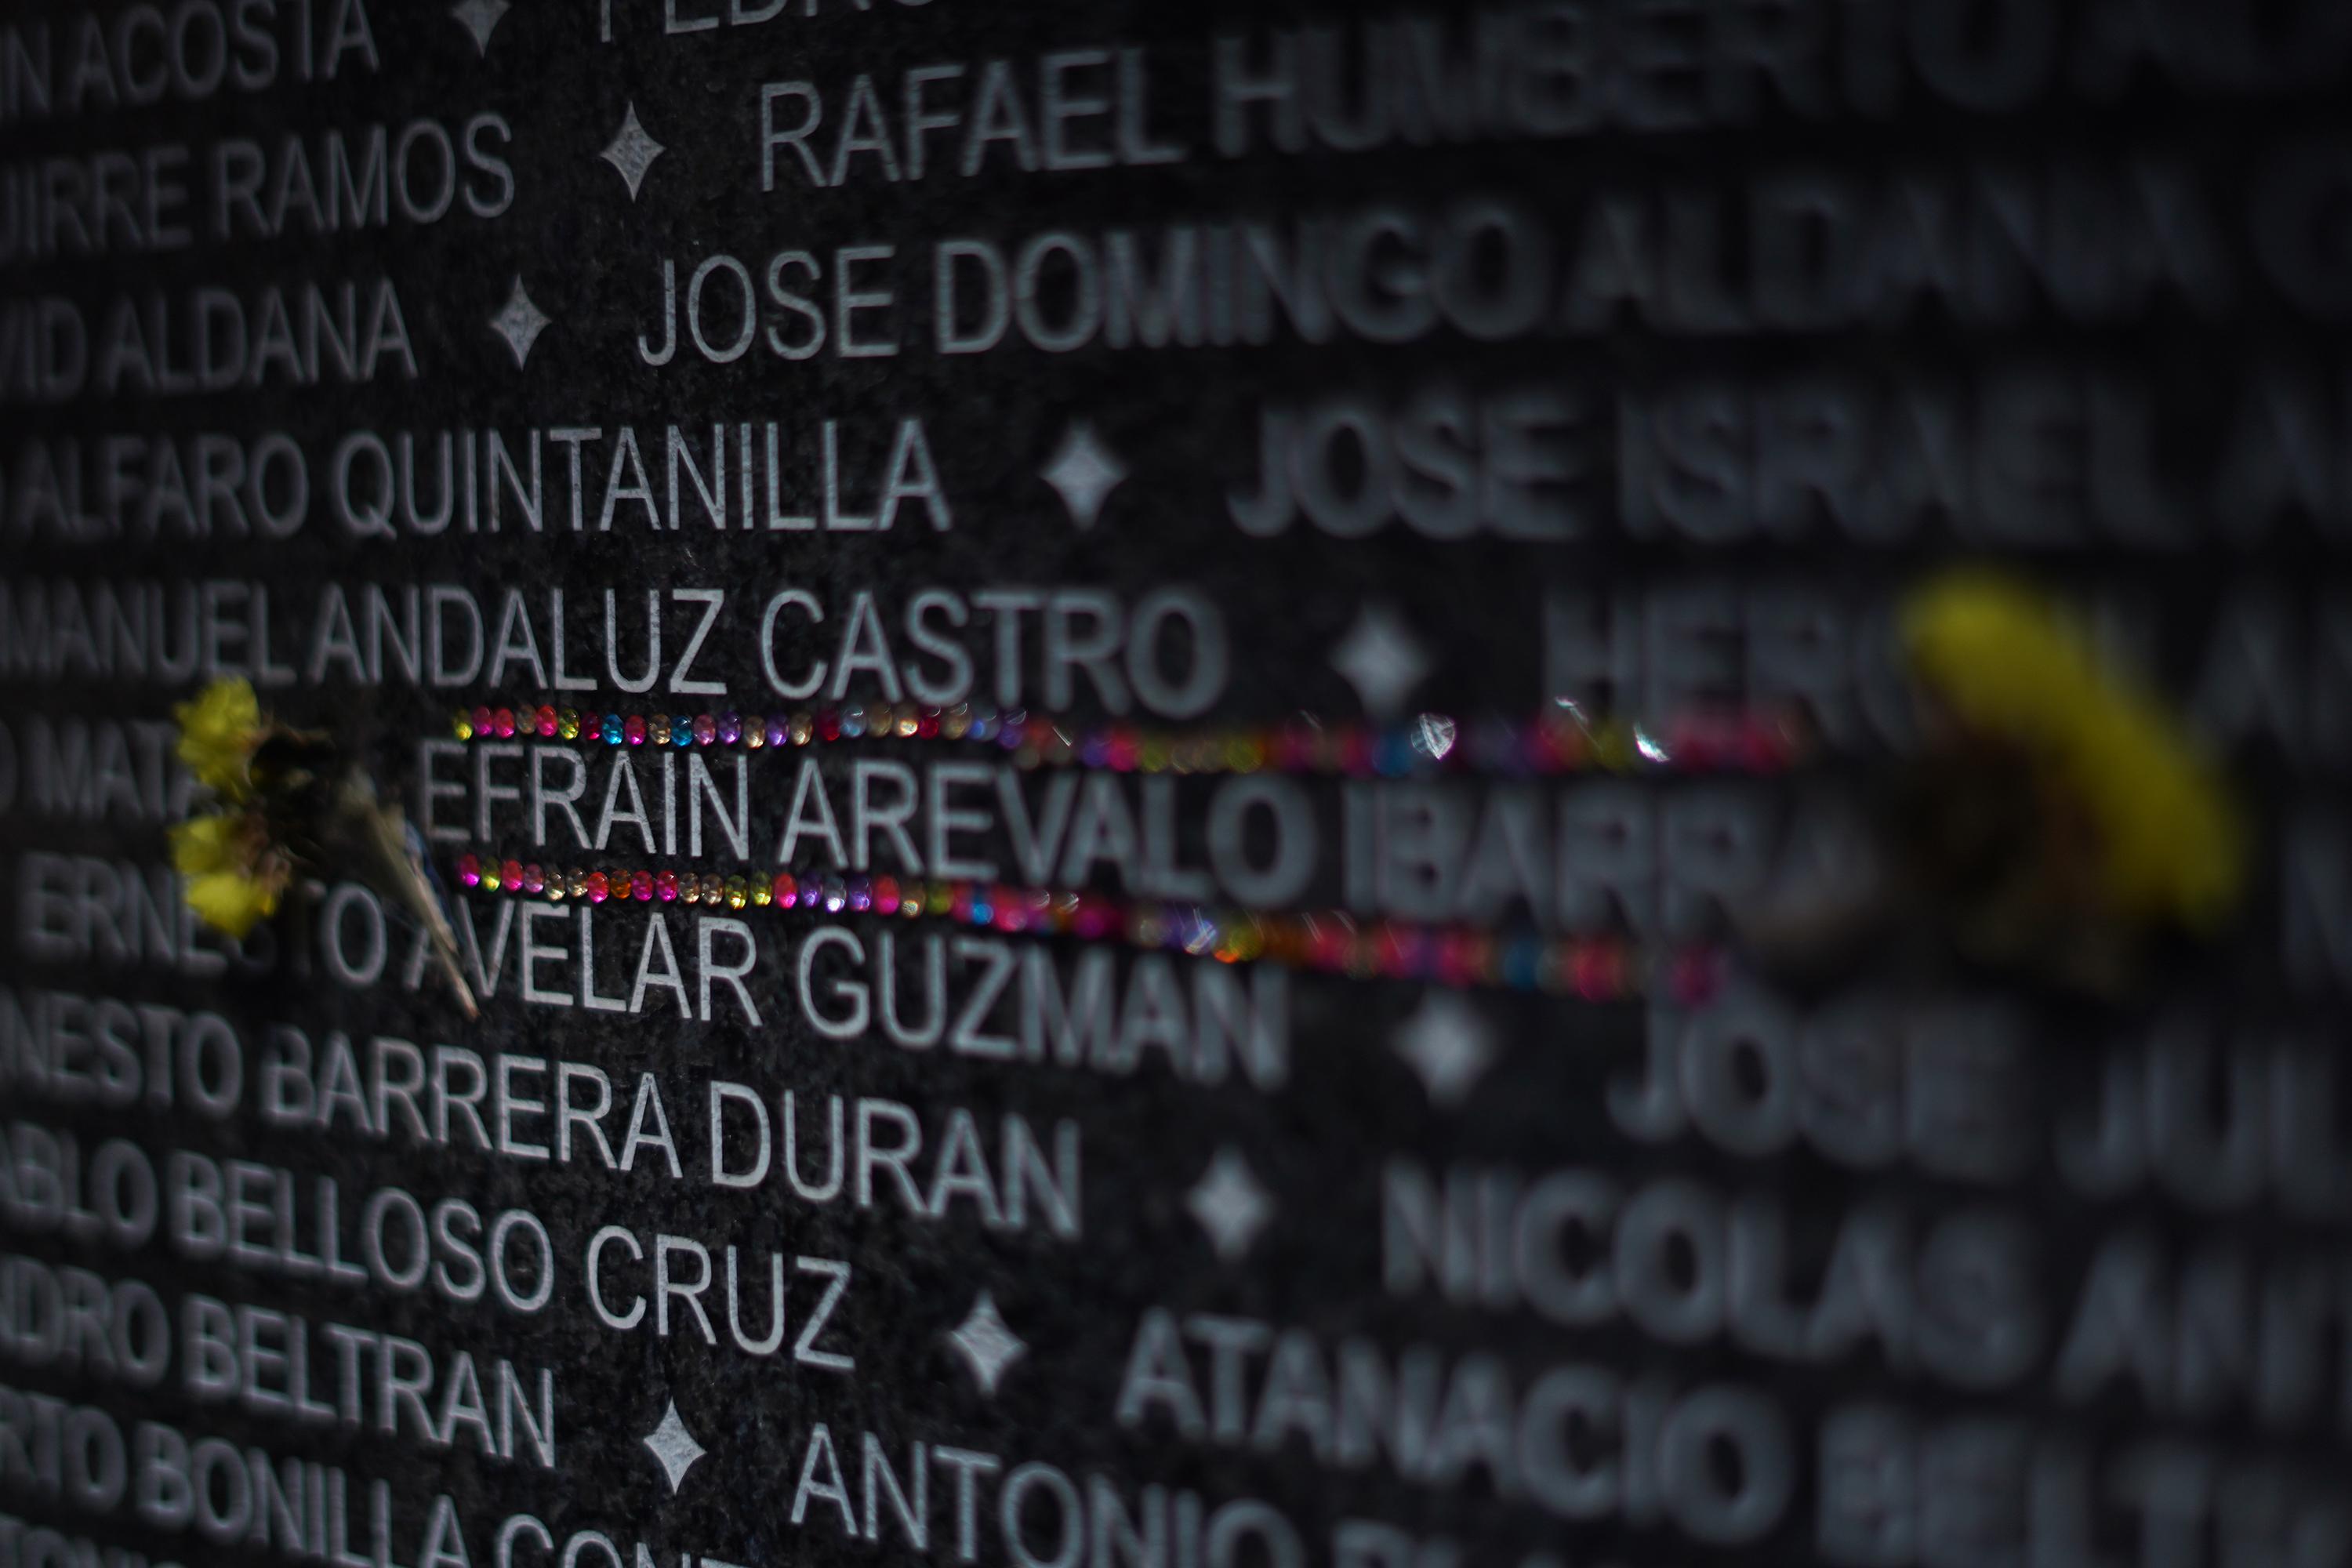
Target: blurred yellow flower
pixel 231 879
pixel 2010 666
pixel 204 843
pixel 230 901
pixel 218 731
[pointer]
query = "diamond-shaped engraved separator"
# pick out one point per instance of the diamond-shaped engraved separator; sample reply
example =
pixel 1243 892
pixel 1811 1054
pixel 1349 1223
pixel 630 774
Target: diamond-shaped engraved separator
pixel 987 1345
pixel 673 1447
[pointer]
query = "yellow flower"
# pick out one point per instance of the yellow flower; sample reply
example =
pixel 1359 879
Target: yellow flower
pixel 204 843
pixel 229 880
pixel 218 731
pixel 2008 664
pixel 230 901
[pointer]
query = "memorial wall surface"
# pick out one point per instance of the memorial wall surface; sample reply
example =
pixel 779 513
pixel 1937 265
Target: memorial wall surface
pixel 1098 785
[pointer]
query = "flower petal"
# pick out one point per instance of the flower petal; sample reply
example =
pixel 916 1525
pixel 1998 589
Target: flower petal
pixel 229 903
pixel 2012 664
pixel 204 843
pixel 218 731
